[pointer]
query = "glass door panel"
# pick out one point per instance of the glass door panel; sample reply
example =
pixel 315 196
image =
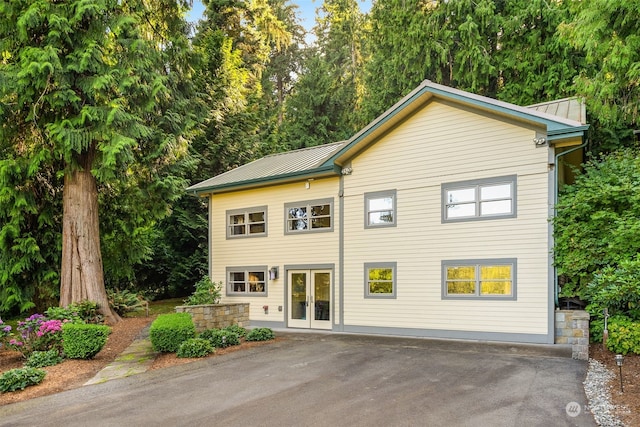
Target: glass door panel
pixel 309 299
pixel 299 299
pixel 321 300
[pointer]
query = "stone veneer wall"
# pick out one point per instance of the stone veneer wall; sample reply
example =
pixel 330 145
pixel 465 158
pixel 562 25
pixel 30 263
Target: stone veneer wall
pixel 218 316
pixel 572 327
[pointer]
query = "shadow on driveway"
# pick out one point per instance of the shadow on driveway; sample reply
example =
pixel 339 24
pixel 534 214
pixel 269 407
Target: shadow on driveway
pixel 312 379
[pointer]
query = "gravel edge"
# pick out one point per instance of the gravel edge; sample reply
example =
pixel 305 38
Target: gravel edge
pixel 598 395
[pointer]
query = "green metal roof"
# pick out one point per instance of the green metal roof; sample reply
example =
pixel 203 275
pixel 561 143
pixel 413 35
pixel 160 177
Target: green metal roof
pixel 561 119
pixel 569 108
pixel 281 167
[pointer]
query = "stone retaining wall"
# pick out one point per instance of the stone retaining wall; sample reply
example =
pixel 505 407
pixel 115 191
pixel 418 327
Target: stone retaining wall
pixel 218 316
pixel 572 327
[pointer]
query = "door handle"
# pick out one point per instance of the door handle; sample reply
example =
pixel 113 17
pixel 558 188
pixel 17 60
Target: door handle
pixel 307 302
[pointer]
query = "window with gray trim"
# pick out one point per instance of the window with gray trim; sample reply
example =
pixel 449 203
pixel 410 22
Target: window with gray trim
pixel 481 199
pixel 380 279
pixel 247 281
pixel 308 216
pixel 249 222
pixel 380 209
pixel 479 279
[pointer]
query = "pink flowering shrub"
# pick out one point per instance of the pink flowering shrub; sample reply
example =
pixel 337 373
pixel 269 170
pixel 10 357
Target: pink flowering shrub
pixel 37 334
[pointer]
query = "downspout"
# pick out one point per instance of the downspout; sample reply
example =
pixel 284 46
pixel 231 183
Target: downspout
pixel 555 203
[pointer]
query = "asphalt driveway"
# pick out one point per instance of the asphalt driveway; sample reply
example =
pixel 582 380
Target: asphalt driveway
pixel 334 380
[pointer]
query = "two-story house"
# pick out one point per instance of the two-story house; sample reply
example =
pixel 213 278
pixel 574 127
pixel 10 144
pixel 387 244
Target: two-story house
pixel 431 221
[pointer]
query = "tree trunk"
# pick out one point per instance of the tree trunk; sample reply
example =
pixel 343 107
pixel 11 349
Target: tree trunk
pixel 82 275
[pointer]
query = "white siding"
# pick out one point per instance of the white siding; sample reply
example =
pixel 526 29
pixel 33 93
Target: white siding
pixel 437 145
pixel 276 249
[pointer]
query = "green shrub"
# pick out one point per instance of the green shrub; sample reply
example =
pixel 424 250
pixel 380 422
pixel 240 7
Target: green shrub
pixel 40 359
pixel 83 341
pixel 238 330
pixel 624 335
pixel 598 220
pixel 260 334
pixel 124 301
pixel 207 292
pixel 195 347
pixel 63 313
pixel 168 331
pixel 20 378
pixel 83 311
pixel 220 338
pixel 596 328
pixel 616 289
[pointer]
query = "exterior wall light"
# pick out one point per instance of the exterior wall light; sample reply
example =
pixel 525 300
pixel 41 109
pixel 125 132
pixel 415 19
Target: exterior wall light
pixel 273 273
pixel 540 142
pixel 619 361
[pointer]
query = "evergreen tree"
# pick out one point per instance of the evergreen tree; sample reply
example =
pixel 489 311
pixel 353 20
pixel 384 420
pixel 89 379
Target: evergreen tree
pixel 506 50
pixel 325 102
pixel 92 110
pixel 606 31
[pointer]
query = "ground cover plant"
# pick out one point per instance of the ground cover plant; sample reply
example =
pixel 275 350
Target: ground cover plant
pixel 20 378
pixel 40 359
pixel 260 334
pixel 220 338
pixel 238 330
pixel 195 347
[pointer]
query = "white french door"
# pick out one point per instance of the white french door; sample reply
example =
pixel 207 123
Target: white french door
pixel 309 299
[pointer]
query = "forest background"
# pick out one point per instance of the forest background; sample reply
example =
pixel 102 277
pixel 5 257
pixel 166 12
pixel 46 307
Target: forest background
pixel 128 101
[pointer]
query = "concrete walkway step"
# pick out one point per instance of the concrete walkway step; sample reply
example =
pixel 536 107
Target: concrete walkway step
pixel 135 359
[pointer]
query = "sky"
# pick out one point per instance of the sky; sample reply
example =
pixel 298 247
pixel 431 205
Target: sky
pixel 306 10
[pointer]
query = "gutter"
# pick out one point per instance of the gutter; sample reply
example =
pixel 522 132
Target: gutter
pixel 555 203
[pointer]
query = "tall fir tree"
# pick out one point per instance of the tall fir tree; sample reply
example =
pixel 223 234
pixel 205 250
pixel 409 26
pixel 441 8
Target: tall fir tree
pixel 606 33
pixel 92 110
pixel 505 50
pixel 325 103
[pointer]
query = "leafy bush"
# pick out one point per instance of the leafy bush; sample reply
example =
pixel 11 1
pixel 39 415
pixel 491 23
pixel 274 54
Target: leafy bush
pixel 88 311
pixel 40 359
pixel 83 341
pixel 83 311
pixel 260 334
pixel 168 331
pixel 124 301
pixel 36 333
pixel 20 378
pixel 220 338
pixel 238 330
pixel 63 313
pixel 195 347
pixel 617 289
pixel 598 220
pixel 624 335
pixel 207 292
